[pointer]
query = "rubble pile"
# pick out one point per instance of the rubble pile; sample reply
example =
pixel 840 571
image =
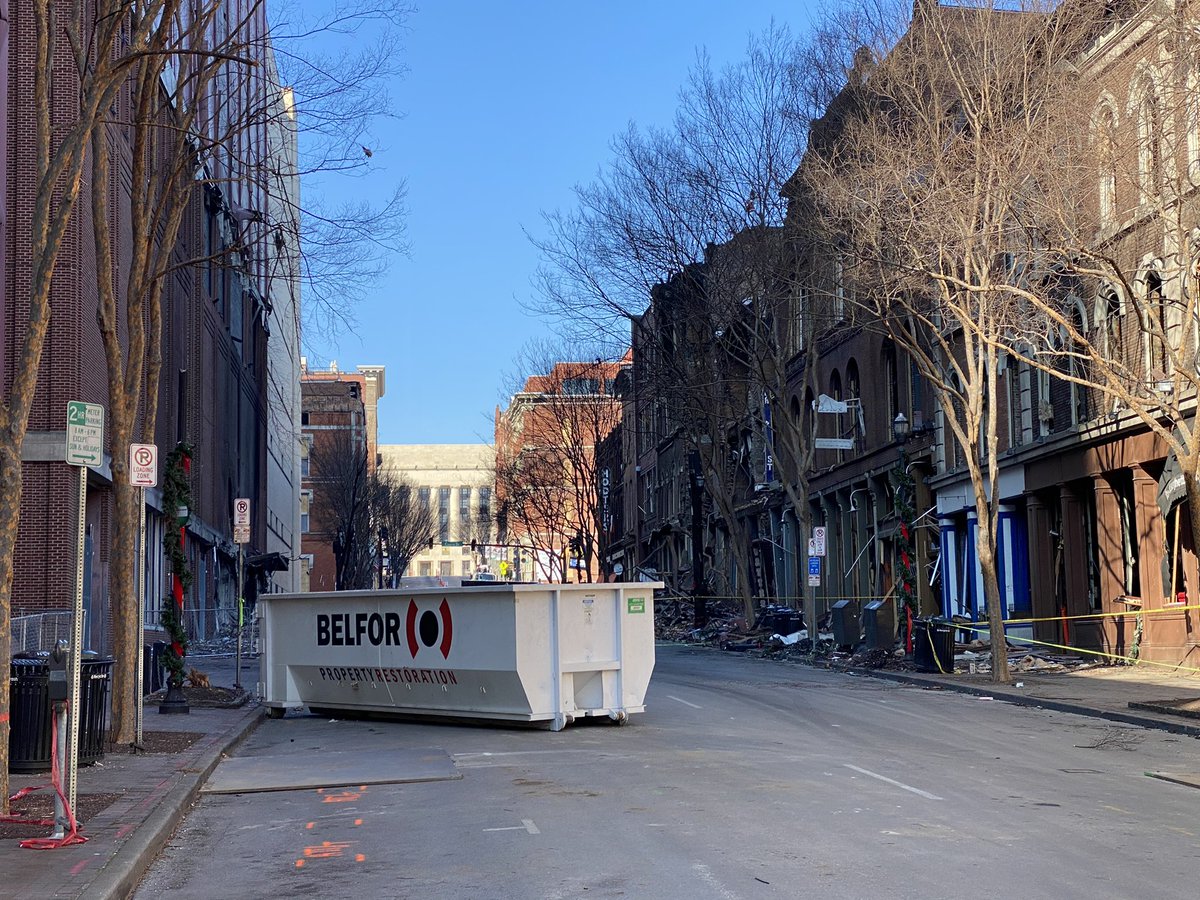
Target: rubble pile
pixel 781 633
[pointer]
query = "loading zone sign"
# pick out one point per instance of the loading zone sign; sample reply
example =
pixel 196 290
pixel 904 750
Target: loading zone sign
pixel 814 571
pixel 143 465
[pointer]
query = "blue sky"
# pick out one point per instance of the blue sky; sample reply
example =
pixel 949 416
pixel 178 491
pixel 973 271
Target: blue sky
pixel 506 106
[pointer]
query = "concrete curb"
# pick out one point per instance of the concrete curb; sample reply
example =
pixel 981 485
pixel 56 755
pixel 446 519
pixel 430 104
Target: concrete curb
pixel 120 875
pixel 1026 700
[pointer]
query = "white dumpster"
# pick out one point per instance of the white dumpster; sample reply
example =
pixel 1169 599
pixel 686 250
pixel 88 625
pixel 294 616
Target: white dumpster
pixel 513 652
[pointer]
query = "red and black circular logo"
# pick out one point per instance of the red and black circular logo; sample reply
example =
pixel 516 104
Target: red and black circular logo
pixel 428 628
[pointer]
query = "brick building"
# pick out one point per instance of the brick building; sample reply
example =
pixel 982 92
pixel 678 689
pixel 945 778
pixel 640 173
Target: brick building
pixel 213 386
pixel 547 481
pixel 338 423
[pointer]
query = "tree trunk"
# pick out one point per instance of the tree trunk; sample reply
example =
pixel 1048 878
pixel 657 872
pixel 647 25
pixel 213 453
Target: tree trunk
pixel 985 549
pixel 10 513
pixel 124 593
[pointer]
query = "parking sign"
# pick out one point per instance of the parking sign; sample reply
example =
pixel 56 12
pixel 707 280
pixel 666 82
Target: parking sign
pixel 143 465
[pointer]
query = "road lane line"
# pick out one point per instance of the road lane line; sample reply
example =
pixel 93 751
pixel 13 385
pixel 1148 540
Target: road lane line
pixel 526 825
pixel 708 878
pixel 892 781
pixel 684 702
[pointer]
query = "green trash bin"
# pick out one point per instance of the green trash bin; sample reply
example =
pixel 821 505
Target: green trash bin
pixel 30 738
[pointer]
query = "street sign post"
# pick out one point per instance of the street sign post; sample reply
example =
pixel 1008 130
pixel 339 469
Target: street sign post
pixel 241 537
pixel 143 473
pixel 85 434
pixel 84 448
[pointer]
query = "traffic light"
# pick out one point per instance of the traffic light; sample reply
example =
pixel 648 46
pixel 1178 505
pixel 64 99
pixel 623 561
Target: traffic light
pixel 473 545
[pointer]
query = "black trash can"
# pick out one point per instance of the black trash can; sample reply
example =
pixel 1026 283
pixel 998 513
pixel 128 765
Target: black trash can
pixel 29 705
pixel 933 646
pixel 30 737
pixel 95 682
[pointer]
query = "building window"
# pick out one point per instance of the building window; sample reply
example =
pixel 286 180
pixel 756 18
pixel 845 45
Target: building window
pixel 305 507
pixel 839 287
pixel 485 503
pixel 1079 369
pixel 578 387
pixel 445 566
pixel 1106 154
pixel 306 443
pixel 1150 136
pixel 425 569
pixel 464 505
pixel 423 497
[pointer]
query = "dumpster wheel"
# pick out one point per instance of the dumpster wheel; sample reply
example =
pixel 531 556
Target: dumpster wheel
pixel 620 717
pixel 276 712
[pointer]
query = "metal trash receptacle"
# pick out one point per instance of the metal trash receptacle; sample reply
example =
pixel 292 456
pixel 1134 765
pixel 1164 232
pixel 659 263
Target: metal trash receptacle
pixel 875 636
pixel 95 683
pixel 30 737
pixel 845 623
pixel 29 704
pixel 933 646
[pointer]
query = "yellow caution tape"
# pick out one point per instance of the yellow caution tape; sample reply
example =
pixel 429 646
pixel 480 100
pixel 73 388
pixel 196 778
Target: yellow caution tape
pixel 1129 659
pixel 1132 611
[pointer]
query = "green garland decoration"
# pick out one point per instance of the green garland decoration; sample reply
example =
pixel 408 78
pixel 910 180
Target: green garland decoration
pixel 906 576
pixel 176 493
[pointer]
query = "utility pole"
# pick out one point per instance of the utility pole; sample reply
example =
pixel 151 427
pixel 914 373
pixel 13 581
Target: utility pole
pixel 696 490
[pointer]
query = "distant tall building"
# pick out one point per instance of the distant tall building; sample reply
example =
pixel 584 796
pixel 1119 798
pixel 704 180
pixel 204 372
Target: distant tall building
pixel 457 482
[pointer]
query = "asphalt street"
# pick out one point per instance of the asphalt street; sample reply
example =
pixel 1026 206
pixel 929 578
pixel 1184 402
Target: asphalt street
pixel 745 778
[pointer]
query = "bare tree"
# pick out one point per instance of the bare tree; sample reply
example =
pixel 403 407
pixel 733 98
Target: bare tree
pixel 920 179
pixel 546 472
pixel 648 227
pixel 84 53
pixel 404 525
pixel 343 490
pixel 1111 283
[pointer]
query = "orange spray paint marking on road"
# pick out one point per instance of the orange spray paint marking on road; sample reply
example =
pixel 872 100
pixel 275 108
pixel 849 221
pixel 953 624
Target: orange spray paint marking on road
pixel 326 850
pixel 359 858
pixel 358 821
pixel 343 797
pixel 299 864
pixel 310 825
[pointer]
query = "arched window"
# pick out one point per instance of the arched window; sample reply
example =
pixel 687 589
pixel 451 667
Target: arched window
pixel 891 384
pixel 1105 141
pixel 1079 368
pixel 853 393
pixel 1148 110
pixel 1110 316
pixel 1156 318
pixel 835 391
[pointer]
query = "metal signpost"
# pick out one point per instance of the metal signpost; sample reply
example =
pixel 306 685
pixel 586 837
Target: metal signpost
pixel 85 447
pixel 241 537
pixel 143 473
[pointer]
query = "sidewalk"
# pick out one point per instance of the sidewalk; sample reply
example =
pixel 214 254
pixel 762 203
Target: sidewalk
pixel 155 791
pixel 1127 694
